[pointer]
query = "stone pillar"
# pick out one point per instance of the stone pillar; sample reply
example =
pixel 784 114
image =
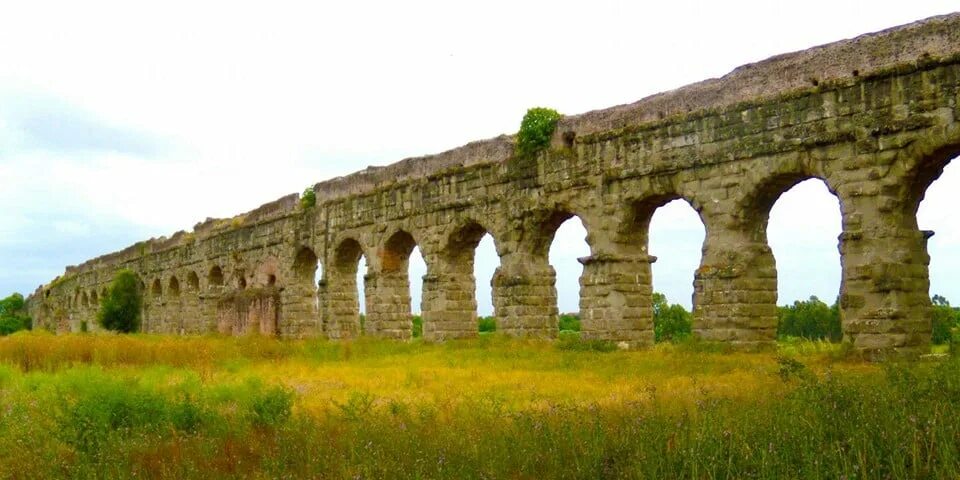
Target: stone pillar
pixel 449 306
pixel 339 306
pixel 735 289
pixel 153 317
pixel 298 310
pixel 176 315
pixel 616 299
pixel 525 296
pixel 207 308
pixel 388 305
pixel 884 296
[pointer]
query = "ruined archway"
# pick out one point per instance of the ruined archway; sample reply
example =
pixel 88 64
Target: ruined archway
pixel 525 293
pixel 339 299
pixel 803 229
pixel 306 267
pixel 936 216
pixel 389 311
pixel 568 245
pixel 193 281
pixel 215 277
pixel 465 268
pixel 756 269
pixel 174 287
pixel 675 236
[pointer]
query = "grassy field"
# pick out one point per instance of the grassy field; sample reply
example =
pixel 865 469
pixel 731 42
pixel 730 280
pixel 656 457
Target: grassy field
pixel 108 406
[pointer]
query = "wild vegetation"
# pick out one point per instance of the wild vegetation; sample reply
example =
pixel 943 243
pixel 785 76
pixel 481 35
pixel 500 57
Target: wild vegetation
pixel 811 319
pixel 124 406
pixel 13 315
pixel 308 198
pixel 536 128
pixel 121 307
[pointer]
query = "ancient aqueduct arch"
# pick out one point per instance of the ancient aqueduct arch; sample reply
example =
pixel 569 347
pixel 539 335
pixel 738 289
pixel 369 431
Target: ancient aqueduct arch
pixel 876 118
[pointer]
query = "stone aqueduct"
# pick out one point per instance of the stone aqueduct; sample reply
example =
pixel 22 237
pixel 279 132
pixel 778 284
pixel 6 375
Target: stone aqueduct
pixel 876 118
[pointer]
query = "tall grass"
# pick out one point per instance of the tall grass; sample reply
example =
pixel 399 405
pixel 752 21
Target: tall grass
pixel 106 406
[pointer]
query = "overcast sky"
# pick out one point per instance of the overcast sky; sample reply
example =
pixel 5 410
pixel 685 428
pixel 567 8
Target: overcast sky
pixel 120 121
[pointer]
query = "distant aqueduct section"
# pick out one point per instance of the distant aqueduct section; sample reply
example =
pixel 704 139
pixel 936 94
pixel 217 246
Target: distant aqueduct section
pixel 876 118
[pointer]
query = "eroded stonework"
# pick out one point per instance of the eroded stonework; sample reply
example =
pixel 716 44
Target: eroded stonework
pixel 876 118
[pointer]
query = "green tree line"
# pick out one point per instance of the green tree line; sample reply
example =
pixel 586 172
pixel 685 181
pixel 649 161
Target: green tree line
pixel 13 315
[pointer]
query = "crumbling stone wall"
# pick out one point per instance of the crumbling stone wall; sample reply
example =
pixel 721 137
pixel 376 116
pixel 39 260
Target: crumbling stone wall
pixel 876 118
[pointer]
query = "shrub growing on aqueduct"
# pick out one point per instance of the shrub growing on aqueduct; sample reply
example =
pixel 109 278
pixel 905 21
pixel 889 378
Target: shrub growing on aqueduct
pixel 120 308
pixel 536 129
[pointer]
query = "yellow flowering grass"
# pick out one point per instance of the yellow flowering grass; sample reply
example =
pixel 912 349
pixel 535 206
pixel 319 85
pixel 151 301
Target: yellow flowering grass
pixel 115 406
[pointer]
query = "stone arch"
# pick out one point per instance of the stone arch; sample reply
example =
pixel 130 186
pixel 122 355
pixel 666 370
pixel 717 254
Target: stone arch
pixel 156 289
pixel 305 266
pixel 395 252
pixel 302 290
pixel 738 259
pixel 173 288
pixel 193 281
pixel 617 302
pixel 921 171
pixel 463 240
pixel 94 298
pixel 389 311
pixel 755 205
pixel 215 276
pixel 339 302
pixel 632 233
pixel 525 293
pixel 449 302
pixel 887 281
pixel 84 299
pixel 543 226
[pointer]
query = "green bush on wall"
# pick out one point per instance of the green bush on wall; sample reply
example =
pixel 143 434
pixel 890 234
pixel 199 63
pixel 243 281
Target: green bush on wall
pixel 536 129
pixel 309 198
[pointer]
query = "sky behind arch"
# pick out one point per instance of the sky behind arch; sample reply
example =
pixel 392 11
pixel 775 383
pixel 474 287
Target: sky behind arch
pixel 121 122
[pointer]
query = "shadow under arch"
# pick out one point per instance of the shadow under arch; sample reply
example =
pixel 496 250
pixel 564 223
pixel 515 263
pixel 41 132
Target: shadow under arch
pixel 173 287
pixel 305 264
pixel 215 277
pixel 193 281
